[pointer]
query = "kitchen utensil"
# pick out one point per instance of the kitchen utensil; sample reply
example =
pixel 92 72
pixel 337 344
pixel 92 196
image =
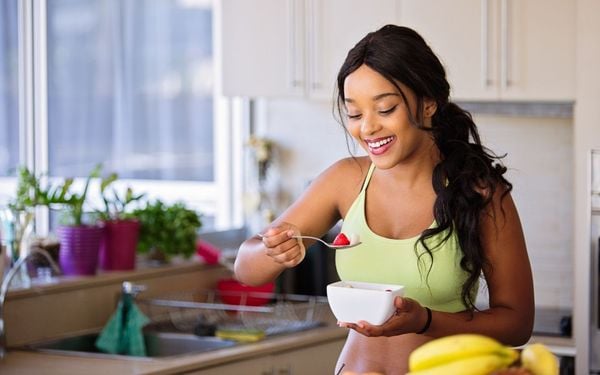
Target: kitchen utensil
pixel 352 301
pixel 329 245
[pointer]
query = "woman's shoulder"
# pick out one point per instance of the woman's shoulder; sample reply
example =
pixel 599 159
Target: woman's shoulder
pixel 351 170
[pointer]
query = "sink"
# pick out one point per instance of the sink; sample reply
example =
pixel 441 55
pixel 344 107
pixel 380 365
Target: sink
pixel 157 345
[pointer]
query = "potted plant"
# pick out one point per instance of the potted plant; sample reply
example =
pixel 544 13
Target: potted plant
pixel 121 233
pixel 17 217
pixel 167 230
pixel 79 241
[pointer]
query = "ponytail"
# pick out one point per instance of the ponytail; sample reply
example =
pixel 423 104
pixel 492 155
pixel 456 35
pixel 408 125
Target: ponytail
pixel 465 181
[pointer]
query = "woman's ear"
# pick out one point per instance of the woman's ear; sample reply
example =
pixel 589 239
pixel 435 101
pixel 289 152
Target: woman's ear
pixel 429 108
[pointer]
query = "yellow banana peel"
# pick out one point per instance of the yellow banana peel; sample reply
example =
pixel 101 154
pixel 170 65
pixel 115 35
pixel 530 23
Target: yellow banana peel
pixel 538 359
pixel 452 349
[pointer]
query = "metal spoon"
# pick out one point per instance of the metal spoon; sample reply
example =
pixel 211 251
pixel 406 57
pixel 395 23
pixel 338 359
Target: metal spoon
pixel 329 245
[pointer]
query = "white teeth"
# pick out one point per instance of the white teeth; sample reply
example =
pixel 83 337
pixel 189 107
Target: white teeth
pixel 380 143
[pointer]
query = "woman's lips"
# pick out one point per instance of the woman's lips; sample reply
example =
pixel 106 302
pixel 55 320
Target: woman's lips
pixel 380 145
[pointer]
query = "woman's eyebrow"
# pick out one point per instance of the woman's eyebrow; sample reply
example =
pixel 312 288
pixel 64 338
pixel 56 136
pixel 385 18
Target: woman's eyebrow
pixel 375 98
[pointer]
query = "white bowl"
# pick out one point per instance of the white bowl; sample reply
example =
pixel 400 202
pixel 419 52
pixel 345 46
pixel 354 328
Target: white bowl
pixel 351 301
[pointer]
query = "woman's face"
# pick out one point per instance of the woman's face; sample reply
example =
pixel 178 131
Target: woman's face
pixel 378 118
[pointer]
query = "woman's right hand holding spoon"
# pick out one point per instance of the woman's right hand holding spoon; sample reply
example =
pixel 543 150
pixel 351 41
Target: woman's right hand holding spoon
pixel 281 245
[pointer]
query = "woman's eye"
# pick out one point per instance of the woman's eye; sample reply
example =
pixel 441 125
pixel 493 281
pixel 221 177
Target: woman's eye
pixel 353 117
pixel 387 111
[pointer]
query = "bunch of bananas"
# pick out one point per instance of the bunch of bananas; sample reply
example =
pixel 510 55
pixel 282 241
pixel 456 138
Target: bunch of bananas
pixel 473 354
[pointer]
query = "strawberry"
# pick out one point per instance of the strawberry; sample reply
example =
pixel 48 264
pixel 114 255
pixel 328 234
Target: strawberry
pixel 341 239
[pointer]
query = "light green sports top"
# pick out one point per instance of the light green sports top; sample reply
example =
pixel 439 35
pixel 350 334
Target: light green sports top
pixel 390 261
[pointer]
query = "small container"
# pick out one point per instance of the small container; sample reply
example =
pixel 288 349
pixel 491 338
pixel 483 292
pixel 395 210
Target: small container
pixel 233 292
pixel 353 301
pixel 43 275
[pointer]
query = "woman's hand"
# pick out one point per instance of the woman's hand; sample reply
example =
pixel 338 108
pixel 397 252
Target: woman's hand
pixel 410 317
pixel 282 247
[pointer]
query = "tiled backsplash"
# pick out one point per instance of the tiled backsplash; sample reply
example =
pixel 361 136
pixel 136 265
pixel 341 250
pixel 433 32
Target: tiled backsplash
pixel 540 166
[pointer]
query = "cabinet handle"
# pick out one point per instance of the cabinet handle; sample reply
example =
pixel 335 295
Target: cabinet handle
pixel 293 80
pixel 313 31
pixel 504 44
pixel 485 53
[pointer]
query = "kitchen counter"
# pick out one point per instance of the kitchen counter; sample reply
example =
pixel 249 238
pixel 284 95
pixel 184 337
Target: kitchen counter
pixel 25 362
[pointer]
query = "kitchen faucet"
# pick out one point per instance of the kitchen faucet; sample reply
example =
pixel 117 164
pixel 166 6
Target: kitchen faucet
pixel 6 284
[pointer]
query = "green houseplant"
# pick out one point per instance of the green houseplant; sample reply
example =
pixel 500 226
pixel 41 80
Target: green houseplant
pixel 79 241
pixel 167 230
pixel 17 217
pixel 121 233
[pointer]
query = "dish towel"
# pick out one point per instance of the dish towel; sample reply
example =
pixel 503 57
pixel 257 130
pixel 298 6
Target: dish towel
pixel 123 332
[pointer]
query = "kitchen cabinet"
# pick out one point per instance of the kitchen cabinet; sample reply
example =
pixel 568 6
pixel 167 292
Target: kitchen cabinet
pixel 292 48
pixel 316 359
pixel 500 49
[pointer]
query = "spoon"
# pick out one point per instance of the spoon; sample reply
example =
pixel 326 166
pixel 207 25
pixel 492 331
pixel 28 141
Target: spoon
pixel 329 245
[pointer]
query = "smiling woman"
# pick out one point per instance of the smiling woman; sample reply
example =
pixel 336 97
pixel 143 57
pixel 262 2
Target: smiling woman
pixel 430 203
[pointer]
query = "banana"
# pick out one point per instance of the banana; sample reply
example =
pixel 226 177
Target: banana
pixel 456 347
pixel 538 359
pixel 474 365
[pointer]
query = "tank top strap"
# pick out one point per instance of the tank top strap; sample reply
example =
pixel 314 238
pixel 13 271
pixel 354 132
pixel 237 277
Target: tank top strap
pixel 367 178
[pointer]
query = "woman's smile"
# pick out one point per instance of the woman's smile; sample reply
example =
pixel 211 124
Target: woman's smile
pixel 378 146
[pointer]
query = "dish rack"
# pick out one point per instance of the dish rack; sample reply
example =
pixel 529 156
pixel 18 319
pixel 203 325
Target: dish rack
pixel 191 311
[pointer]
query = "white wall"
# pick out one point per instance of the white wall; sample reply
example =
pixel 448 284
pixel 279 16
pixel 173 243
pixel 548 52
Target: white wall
pixel 540 158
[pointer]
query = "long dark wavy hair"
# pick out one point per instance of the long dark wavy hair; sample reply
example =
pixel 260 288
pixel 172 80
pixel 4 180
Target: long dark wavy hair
pixel 468 174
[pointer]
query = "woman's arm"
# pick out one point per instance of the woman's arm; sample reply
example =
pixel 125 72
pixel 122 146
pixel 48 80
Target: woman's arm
pixel 511 300
pixel 509 281
pixel 314 213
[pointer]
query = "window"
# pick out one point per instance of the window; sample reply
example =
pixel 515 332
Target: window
pixel 9 90
pixel 129 84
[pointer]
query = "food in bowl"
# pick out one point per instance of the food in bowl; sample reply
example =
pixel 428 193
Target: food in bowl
pixel 353 301
pixel 343 240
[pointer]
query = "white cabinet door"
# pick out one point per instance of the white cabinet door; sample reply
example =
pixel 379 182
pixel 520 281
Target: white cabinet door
pixel 539 50
pixel 292 47
pixel 260 47
pixel 500 49
pixel 333 28
pixel 256 366
pixel 461 33
pixel 318 359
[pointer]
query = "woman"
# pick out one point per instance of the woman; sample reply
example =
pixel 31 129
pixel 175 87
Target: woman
pixel 429 203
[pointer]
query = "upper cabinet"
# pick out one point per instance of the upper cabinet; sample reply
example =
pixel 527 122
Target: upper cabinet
pixel 292 47
pixel 500 49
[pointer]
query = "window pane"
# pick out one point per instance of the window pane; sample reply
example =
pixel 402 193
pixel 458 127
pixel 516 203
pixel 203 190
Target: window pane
pixel 9 97
pixel 130 85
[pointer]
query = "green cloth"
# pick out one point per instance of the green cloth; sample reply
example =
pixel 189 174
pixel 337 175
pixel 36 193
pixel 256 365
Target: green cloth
pixel 123 332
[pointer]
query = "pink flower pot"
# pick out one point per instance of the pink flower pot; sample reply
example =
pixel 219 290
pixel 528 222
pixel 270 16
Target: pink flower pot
pixel 119 243
pixel 79 246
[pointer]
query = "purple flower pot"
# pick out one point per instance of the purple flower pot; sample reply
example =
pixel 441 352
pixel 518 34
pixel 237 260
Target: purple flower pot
pixel 79 247
pixel 119 243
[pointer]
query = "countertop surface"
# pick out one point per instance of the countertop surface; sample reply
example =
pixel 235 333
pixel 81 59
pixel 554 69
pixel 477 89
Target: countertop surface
pixel 29 362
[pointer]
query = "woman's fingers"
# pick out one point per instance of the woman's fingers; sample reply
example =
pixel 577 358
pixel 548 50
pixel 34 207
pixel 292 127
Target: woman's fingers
pixel 283 248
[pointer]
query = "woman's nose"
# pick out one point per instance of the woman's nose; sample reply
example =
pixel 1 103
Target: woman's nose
pixel 369 124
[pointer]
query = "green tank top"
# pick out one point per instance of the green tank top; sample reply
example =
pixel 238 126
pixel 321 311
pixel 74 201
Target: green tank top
pixel 390 261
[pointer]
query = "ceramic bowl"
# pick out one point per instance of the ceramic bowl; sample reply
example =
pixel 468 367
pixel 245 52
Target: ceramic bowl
pixel 352 301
